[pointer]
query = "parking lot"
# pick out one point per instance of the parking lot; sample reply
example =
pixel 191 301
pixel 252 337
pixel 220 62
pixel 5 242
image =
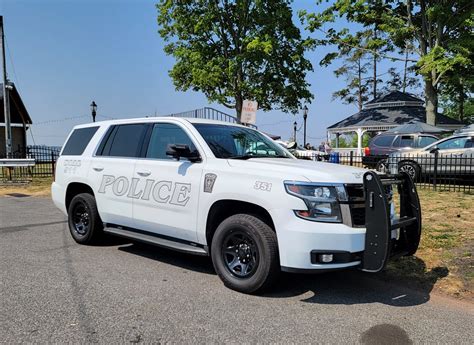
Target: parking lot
pixel 53 290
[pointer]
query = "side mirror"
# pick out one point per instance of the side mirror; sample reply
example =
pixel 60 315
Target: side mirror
pixel 434 149
pixel 181 150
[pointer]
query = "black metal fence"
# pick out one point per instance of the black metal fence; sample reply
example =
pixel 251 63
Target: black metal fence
pixel 437 171
pixel 44 164
pixel 210 114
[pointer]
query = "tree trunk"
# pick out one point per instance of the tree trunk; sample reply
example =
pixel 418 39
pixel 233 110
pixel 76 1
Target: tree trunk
pixel 375 65
pixel 431 99
pixel 461 100
pixel 238 106
pixel 359 82
pixel 405 71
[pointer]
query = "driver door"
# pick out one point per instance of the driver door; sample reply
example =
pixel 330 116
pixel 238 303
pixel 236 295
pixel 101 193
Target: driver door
pixel 450 154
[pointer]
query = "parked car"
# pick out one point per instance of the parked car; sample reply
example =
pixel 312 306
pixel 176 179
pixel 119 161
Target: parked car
pixel 303 153
pixel 386 143
pixel 455 157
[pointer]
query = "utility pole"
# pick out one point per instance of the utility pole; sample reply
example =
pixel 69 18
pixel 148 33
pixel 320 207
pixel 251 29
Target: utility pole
pixel 6 101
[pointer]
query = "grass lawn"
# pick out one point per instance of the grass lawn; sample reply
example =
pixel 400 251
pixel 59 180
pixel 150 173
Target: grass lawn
pixel 40 186
pixel 443 261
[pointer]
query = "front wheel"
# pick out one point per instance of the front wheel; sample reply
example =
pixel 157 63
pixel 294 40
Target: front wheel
pixel 411 168
pixel 244 253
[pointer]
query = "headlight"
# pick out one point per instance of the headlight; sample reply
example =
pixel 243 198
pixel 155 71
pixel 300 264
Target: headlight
pixel 322 201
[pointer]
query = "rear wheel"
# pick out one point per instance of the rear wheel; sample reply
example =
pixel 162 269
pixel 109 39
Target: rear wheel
pixel 244 253
pixel 84 221
pixel 411 168
pixel 382 166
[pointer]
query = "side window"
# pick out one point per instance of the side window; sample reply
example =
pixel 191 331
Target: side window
pixel 384 141
pixel 469 144
pixel 123 141
pixel 424 141
pixel 78 141
pixel 406 141
pixel 163 135
pixel 454 143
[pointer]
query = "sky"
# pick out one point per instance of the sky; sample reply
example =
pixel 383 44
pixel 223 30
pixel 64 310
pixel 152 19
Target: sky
pixel 62 54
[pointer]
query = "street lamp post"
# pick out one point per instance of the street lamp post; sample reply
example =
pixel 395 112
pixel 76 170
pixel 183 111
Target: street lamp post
pixel 93 110
pixel 294 131
pixel 305 116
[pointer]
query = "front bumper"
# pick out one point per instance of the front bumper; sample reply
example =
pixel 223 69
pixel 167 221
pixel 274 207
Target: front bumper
pixel 368 248
pixel 297 238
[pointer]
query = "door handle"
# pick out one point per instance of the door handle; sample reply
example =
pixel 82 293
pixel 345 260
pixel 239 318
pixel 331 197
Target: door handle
pixel 144 173
pixel 98 168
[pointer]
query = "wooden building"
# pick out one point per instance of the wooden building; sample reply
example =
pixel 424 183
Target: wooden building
pixel 20 122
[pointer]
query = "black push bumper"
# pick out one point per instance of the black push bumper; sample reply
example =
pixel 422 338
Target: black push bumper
pixel 379 244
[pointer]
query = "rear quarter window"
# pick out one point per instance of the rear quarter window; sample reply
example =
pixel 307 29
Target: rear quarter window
pixel 78 141
pixel 383 141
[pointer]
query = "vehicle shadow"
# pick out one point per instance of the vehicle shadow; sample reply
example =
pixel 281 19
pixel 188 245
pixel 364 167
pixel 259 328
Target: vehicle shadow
pixel 356 287
pixel 201 264
pixel 348 287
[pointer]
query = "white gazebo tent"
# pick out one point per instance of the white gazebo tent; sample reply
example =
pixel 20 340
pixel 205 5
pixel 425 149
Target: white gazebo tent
pixel 385 112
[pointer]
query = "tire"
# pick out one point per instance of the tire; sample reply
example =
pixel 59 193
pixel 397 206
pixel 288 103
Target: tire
pixel 411 168
pixel 381 166
pixel 84 221
pixel 255 265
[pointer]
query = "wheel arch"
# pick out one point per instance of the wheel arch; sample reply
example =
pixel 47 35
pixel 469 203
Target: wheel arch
pixel 410 161
pixel 225 208
pixel 75 188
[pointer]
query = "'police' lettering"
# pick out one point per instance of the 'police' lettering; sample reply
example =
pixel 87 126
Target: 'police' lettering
pixel 120 186
pixel 107 180
pixel 181 194
pixel 161 191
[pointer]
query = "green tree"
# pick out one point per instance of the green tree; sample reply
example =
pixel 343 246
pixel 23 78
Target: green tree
pixel 456 96
pixel 354 69
pixel 401 81
pixel 439 31
pixel 236 50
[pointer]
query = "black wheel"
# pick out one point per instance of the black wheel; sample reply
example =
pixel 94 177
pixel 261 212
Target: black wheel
pixel 244 253
pixel 382 166
pixel 85 224
pixel 411 168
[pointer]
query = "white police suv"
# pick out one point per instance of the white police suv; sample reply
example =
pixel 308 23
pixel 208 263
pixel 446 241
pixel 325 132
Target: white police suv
pixel 214 188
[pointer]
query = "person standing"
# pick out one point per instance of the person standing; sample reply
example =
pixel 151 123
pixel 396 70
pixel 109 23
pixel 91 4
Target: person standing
pixel 321 147
pixel 327 147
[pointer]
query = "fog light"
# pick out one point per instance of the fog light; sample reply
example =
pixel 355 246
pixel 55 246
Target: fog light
pixel 325 258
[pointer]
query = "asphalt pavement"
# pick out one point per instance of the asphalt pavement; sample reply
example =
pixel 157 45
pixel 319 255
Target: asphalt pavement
pixel 56 291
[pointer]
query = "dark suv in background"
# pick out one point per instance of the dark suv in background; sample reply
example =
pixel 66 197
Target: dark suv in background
pixel 386 143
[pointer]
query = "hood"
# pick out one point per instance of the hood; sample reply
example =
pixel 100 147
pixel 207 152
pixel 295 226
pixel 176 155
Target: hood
pixel 297 169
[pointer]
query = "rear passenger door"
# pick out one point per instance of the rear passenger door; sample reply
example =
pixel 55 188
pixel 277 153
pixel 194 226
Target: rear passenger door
pixel 111 172
pixel 168 205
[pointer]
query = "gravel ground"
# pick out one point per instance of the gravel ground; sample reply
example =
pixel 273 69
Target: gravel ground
pixel 56 291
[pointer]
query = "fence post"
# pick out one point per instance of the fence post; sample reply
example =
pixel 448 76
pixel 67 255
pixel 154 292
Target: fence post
pixel 53 162
pixel 435 175
pixel 351 159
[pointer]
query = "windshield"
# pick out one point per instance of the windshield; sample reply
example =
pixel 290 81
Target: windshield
pixel 239 142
